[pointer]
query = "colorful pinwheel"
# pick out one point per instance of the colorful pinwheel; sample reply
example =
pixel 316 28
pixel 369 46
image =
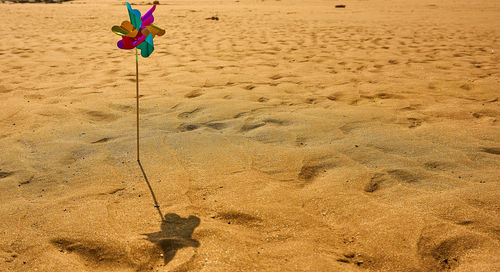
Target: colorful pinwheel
pixel 139 31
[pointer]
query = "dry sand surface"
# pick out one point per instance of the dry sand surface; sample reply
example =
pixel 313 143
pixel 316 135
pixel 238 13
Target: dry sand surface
pixel 286 136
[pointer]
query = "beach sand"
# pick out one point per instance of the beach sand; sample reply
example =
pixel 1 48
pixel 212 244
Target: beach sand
pixel 285 136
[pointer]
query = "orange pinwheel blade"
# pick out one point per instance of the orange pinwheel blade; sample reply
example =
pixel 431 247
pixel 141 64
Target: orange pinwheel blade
pixel 155 30
pixel 132 32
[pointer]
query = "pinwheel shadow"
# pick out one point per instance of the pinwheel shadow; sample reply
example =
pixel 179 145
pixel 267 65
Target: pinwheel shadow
pixel 175 232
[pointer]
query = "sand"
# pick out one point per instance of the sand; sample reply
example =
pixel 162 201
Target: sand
pixel 286 136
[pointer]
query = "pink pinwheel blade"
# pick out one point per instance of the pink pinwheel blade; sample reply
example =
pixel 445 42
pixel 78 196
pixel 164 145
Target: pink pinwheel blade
pixel 147 18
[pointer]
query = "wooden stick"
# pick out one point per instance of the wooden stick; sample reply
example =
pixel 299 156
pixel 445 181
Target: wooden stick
pixel 157 206
pixel 137 97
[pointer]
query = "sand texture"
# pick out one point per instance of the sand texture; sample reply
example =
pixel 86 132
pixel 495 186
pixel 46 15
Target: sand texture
pixel 285 136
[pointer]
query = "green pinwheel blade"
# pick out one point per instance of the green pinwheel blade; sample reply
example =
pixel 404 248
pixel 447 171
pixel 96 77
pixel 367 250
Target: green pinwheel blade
pixel 135 17
pixel 147 46
pixel 118 30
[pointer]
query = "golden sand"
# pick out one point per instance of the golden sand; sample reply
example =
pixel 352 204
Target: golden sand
pixel 285 136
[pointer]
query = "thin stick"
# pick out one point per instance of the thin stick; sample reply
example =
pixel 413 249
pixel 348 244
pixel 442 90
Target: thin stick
pixel 157 206
pixel 137 97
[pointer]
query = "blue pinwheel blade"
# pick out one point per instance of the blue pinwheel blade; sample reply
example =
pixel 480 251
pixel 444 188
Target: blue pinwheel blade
pixel 147 47
pixel 135 17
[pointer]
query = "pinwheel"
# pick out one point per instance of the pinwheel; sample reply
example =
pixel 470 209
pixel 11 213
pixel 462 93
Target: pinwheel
pixel 138 33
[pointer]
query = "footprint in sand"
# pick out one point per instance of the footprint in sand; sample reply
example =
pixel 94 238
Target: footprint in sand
pixel 100 116
pixel 234 217
pixel 352 258
pixel 251 126
pixel 312 168
pixel 5 174
pixel 441 248
pixel 187 127
pixel 122 108
pixel 216 126
pixel 194 93
pixel 414 122
pixel 188 114
pixel 404 175
pixel 491 150
pixel 103 140
pixel 374 183
pixel 103 254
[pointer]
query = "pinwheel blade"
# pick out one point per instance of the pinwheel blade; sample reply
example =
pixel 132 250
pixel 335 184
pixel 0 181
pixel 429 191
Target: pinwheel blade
pixel 126 43
pixel 132 32
pixel 147 46
pixel 118 30
pixel 155 30
pixel 147 18
pixel 135 17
